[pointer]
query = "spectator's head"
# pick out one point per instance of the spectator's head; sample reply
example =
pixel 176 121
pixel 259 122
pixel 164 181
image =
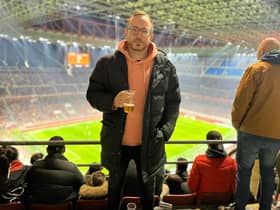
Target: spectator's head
pixel 94 167
pixel 139 28
pixel 56 148
pixel 214 135
pixel 267 45
pixel 11 153
pixel 181 166
pixel 36 156
pixel 98 178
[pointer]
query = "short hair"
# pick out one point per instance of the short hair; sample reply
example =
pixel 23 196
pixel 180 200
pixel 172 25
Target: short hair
pixel 142 13
pixel 11 153
pixel 214 135
pixel 56 148
pixel 36 156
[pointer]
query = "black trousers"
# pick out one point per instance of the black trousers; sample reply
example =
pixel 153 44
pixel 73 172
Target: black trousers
pixel 117 178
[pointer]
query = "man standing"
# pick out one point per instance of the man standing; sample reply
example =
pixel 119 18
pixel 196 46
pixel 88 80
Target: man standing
pixel 139 134
pixel 256 116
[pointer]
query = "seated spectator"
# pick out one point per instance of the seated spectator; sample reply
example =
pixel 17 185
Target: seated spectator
pixel 15 180
pixel 213 171
pixel 36 156
pixel 182 167
pixel 54 179
pixel 94 167
pixel 96 187
pixel 174 181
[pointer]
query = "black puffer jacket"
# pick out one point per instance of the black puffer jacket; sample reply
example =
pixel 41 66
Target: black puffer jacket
pixel 53 180
pixel 160 114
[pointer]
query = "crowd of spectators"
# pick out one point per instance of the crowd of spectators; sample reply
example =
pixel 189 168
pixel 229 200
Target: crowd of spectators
pixel 55 179
pixel 43 91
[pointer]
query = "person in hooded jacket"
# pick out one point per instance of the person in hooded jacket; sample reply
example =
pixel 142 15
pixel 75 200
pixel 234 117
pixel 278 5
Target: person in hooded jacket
pixel 256 117
pixel 140 134
pixel 213 171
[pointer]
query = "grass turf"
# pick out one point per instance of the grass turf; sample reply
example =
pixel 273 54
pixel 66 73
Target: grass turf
pixel 186 129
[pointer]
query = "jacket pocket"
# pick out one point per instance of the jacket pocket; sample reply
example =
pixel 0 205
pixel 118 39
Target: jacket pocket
pixel 156 150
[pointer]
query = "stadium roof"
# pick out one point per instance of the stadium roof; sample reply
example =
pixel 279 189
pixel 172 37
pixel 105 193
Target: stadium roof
pixel 241 22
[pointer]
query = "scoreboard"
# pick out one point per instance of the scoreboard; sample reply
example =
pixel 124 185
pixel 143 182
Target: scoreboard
pixel 78 59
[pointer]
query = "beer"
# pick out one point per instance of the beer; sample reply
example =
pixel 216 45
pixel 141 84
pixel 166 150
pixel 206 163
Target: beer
pixel 128 107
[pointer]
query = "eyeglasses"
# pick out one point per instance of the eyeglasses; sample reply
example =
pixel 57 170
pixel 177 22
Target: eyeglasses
pixel 135 30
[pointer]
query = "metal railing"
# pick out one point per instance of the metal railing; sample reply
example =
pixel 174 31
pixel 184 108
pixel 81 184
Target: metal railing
pixel 96 142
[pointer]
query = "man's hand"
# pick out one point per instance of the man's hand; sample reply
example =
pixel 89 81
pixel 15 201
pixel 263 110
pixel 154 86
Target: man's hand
pixel 123 97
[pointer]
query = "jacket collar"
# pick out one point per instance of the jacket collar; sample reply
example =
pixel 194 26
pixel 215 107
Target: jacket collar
pixel 272 57
pixel 55 156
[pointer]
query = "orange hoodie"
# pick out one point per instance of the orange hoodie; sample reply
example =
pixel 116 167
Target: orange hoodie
pixel 139 74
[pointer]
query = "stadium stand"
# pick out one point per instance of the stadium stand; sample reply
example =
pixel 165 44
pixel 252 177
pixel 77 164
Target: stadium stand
pixel 54 93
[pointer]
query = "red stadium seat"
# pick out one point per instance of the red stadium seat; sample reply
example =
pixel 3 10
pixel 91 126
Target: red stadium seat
pixel 180 200
pixel 58 206
pixel 213 200
pixel 91 204
pixel 12 206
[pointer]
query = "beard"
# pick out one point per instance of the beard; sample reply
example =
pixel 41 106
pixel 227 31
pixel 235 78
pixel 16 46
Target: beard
pixel 138 45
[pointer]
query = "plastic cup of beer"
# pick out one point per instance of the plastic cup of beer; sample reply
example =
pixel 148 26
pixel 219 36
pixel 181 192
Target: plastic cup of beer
pixel 131 206
pixel 129 104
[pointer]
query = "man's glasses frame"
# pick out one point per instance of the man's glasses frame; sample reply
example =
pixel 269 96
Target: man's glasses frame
pixel 135 30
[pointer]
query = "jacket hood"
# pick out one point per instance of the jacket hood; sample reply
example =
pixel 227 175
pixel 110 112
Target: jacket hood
pixel 215 153
pixel 152 50
pixel 267 45
pixel 272 57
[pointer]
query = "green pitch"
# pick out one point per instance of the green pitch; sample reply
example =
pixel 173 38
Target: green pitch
pixel 186 129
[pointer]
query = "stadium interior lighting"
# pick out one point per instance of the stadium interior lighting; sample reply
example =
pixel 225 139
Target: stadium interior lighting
pixel 232 21
pixel 26 64
pixel 75 43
